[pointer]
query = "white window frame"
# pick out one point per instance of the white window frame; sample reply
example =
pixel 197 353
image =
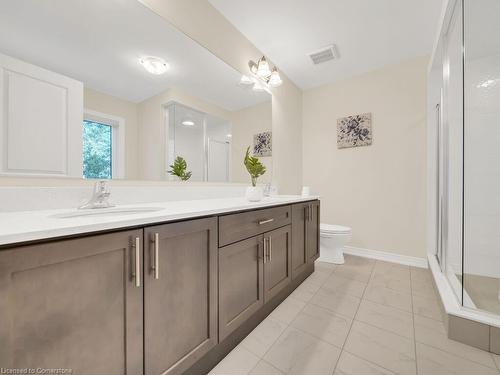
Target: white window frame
pixel 118 138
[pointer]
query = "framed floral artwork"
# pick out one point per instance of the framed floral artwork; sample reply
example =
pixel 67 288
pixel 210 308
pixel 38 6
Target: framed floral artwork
pixel 354 131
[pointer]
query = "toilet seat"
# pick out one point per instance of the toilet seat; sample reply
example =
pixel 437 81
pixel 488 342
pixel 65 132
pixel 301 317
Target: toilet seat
pixel 329 229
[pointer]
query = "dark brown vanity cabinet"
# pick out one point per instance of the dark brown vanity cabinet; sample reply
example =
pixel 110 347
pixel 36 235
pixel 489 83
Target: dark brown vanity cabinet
pixel 305 235
pixel 312 231
pixel 74 304
pixel 154 300
pixel 277 260
pixel 180 294
pixel 252 270
pixel 241 283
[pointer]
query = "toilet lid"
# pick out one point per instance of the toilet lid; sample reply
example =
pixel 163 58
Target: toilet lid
pixel 329 228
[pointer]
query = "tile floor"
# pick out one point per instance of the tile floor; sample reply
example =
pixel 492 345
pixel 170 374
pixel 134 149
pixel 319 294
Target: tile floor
pixel 364 317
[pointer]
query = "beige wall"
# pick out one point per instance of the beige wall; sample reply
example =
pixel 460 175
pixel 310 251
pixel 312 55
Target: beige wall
pixel 111 105
pixel 378 190
pixel 202 22
pixel 246 123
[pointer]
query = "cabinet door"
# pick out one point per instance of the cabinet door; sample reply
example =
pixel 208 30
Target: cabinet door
pixel 74 304
pixel 240 283
pixel 312 231
pixel 180 295
pixel 299 255
pixel 277 261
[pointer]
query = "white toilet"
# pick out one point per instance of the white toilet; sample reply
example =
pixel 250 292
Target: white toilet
pixel 332 241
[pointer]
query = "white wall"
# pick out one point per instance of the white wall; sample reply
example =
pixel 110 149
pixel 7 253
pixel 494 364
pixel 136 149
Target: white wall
pixel 378 190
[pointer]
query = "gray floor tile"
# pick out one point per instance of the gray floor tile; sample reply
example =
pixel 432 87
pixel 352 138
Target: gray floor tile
pixel 432 361
pixel 427 307
pixel 288 310
pixel 349 364
pixel 386 317
pixel 432 332
pixel 340 303
pixel 298 353
pixel 388 297
pixel 264 336
pixel 384 348
pixel 239 362
pixel 264 368
pixel 341 284
pixel 390 282
pixel 323 324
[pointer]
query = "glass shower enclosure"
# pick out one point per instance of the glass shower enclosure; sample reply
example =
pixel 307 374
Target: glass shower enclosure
pixel 464 97
pixel 202 139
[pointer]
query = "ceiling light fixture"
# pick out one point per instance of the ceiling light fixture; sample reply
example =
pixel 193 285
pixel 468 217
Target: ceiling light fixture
pixel 262 71
pixel 246 81
pixel 187 123
pixel 257 87
pixel 154 65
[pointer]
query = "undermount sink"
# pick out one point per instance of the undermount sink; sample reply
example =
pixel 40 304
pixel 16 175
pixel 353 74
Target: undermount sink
pixel 114 211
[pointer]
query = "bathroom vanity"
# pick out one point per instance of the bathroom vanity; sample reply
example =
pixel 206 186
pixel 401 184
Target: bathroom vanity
pixel 150 294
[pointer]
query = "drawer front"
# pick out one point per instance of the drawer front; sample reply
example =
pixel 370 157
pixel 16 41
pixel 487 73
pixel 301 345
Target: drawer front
pixel 236 227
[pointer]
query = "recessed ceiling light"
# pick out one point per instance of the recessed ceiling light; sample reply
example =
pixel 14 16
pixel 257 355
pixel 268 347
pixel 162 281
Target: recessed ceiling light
pixel 187 123
pixel 229 135
pixel 155 65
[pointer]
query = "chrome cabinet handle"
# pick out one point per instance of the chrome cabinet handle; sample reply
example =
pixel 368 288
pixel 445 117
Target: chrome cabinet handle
pixel 265 250
pixel 270 239
pixel 137 253
pixel 266 221
pixel 156 260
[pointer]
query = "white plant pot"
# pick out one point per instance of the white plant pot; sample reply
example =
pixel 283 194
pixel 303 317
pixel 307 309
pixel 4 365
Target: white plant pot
pixel 254 194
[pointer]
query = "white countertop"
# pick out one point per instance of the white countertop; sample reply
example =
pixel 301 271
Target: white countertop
pixel 23 226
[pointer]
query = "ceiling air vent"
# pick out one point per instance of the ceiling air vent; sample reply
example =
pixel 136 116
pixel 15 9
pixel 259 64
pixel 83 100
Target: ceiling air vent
pixel 324 54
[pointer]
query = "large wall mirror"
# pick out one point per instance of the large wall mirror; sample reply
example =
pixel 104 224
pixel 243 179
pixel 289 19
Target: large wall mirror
pixel 109 89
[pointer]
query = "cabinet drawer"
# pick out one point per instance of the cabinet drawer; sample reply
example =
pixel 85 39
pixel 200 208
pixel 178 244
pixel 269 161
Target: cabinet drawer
pixel 236 227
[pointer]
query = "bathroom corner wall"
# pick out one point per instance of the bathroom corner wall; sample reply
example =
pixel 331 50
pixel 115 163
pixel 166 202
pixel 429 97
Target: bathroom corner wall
pixel 378 190
pixel 203 23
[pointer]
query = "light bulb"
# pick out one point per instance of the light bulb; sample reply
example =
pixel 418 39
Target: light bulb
pixel 246 81
pixel 258 87
pixel 155 65
pixel 187 123
pixel 275 79
pixel 263 68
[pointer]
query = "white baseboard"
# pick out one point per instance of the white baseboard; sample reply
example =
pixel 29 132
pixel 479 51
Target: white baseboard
pixel 386 256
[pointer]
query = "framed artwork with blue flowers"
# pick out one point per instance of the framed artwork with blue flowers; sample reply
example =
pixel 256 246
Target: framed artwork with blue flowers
pixel 354 131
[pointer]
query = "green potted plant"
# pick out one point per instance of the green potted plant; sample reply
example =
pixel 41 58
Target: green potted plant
pixel 178 169
pixel 255 169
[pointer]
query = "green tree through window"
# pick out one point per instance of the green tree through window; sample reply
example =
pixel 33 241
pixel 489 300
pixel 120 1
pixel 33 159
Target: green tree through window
pixel 97 150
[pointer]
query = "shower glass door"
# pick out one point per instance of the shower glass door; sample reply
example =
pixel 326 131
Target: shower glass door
pixel 482 155
pixel 451 152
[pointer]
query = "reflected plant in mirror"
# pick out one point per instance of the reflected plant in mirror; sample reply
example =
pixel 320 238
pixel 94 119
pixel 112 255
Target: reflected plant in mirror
pixel 178 169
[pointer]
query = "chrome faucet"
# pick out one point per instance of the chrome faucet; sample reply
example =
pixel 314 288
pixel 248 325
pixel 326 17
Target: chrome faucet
pixel 100 196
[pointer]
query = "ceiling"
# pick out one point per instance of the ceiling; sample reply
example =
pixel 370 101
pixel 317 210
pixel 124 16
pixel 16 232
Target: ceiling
pixel 368 33
pixel 101 42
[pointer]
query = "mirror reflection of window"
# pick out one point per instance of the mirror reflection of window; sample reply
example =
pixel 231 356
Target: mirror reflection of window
pixel 97 150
